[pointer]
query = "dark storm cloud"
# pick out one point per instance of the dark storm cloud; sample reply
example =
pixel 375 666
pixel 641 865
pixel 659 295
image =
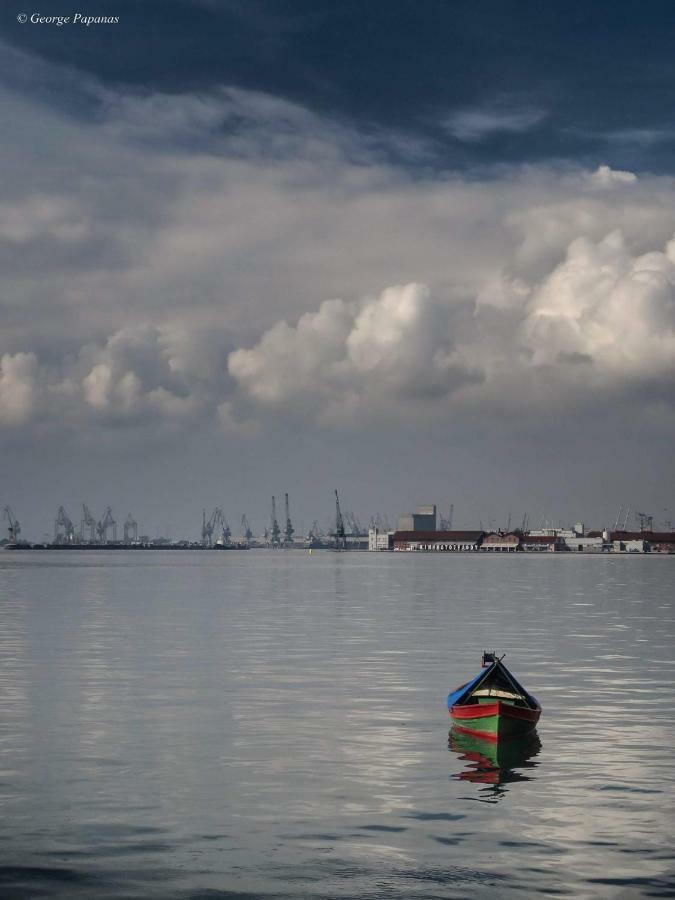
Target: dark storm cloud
pixel 585 70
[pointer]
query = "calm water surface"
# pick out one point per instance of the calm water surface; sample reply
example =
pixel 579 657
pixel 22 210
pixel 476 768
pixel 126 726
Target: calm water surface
pixel 268 725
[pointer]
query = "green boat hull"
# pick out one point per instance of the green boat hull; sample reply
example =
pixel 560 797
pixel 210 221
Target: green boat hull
pixel 494 720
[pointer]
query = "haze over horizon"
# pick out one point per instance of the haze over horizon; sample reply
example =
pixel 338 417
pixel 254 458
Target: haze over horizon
pixel 417 252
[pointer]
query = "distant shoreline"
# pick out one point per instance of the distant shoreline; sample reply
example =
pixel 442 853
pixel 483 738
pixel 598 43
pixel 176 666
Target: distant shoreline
pixel 191 548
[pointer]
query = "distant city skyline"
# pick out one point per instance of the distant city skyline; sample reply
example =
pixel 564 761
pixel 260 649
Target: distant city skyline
pixel 420 253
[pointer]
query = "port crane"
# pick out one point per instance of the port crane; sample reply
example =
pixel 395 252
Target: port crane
pixel 130 530
pixel 446 524
pixel 288 530
pixel 107 523
pixel 618 516
pixel 382 522
pixel 64 530
pixel 646 522
pixel 618 526
pixel 88 521
pixel 340 537
pixel 226 531
pixel 13 526
pixel 209 526
pixel 275 531
pixel 354 524
pixel 246 529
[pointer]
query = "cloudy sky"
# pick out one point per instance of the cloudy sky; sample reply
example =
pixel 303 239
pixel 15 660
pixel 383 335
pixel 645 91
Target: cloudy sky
pixel 420 252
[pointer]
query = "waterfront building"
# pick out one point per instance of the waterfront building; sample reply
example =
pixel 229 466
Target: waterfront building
pixel 585 544
pixel 497 542
pixel 438 541
pixel 423 519
pixel 547 543
pixel 565 533
pixel 630 546
pixel 662 543
pixel 642 541
pixel 379 539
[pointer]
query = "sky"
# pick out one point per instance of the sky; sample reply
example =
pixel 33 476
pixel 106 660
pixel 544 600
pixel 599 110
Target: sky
pixel 416 251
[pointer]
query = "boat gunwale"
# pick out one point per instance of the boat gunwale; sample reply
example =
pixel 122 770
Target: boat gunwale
pixel 465 691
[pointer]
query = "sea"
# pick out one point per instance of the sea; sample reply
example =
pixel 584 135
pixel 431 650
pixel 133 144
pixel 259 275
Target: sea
pixel 251 725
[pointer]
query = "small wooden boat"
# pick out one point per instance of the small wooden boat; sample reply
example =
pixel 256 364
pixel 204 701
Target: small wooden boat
pixel 494 704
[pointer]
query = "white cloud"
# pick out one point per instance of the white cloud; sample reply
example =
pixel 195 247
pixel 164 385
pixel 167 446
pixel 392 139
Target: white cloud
pixel 345 359
pixel 18 375
pixel 607 305
pixel 134 374
pixel 603 315
pixel 131 376
pixel 288 361
pixel 604 177
pixel 476 124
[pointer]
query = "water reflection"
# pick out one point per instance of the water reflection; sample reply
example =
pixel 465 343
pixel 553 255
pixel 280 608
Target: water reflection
pixel 494 763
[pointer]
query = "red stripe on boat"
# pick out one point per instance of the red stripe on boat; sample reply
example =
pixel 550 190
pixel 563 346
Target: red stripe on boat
pixel 483 710
pixel 475 711
pixel 485 735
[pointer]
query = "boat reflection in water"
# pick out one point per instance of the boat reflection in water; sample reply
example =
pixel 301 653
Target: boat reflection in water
pixel 494 763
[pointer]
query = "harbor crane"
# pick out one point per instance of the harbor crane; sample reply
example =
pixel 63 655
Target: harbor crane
pixel 619 525
pixel 288 530
pixel 209 526
pixel 246 529
pixel 13 526
pixel 446 524
pixel 340 537
pixel 107 524
pixel 646 522
pixel 354 524
pixel 130 530
pixel 88 521
pixel 226 531
pixel 275 531
pixel 381 522
pixel 64 530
